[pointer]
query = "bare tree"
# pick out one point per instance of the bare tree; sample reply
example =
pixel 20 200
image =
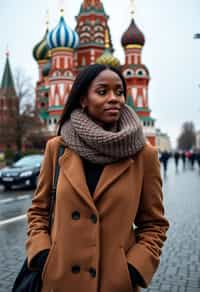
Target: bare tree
pixel 25 91
pixel 187 138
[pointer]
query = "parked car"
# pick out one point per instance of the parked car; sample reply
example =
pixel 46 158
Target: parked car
pixel 22 173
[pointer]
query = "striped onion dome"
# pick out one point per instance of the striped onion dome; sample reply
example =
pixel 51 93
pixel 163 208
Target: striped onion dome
pixel 40 51
pixel 62 36
pixel 107 58
pixel 133 36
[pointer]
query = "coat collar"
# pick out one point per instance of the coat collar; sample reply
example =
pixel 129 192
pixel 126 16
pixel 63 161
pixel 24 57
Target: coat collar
pixel 73 169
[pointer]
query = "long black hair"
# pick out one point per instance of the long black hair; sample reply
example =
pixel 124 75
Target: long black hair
pixel 80 88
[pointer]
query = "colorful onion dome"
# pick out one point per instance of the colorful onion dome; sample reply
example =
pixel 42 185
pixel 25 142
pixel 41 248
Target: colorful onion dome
pixel 107 58
pixel 40 51
pixel 133 36
pixel 62 36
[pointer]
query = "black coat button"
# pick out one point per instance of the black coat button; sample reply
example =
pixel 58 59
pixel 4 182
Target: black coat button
pixel 93 218
pixel 92 272
pixel 76 215
pixel 76 269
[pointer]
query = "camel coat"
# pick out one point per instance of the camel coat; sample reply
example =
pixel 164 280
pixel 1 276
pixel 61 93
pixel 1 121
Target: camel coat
pixel 93 238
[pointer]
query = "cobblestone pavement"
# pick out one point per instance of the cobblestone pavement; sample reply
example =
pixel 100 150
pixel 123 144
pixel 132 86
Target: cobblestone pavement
pixel 179 270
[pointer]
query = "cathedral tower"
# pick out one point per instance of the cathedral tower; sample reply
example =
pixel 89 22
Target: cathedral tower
pixel 92 23
pixel 137 77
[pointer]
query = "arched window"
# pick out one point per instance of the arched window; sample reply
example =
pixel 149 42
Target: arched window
pixel 141 73
pixel 128 73
pixel 56 74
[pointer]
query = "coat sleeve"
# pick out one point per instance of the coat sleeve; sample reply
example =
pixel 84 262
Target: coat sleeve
pixel 37 215
pixel 150 221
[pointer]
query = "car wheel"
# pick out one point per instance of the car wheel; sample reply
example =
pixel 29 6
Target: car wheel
pixel 7 188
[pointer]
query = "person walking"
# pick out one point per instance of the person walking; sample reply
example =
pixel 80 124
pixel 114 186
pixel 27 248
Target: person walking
pixel 198 159
pixel 108 224
pixel 183 157
pixel 176 159
pixel 164 160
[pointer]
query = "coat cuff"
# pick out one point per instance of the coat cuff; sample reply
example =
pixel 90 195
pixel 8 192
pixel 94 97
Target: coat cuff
pixel 36 244
pixel 144 262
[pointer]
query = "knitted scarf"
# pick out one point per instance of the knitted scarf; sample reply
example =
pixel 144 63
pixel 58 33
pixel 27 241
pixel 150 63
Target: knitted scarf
pixel 92 142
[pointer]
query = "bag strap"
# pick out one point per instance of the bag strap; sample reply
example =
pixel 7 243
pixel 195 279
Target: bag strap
pixel 61 150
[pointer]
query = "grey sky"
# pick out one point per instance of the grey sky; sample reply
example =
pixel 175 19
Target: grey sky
pixel 170 52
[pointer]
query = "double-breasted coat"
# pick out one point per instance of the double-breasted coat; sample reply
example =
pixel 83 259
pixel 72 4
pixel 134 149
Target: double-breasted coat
pixel 93 237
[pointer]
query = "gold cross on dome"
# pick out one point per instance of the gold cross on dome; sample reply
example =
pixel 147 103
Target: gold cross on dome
pixel 132 7
pixel 47 19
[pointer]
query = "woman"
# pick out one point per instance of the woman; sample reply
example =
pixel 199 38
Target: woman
pixel 109 179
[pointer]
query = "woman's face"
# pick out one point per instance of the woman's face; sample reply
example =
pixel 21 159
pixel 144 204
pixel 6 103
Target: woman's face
pixel 105 98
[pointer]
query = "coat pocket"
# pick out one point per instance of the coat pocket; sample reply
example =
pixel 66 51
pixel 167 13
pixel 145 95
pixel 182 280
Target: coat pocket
pixel 126 269
pixel 44 272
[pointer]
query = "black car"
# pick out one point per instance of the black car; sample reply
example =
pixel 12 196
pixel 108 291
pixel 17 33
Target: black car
pixel 23 173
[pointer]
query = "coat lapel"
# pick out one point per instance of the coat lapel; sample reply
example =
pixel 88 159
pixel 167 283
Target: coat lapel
pixel 110 174
pixel 72 167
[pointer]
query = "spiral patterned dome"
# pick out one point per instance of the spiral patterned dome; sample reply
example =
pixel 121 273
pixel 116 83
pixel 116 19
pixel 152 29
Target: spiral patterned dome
pixel 133 36
pixel 40 51
pixel 62 36
pixel 107 58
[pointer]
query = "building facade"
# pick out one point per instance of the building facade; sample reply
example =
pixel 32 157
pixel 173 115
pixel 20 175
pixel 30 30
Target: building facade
pixel 163 142
pixel 198 140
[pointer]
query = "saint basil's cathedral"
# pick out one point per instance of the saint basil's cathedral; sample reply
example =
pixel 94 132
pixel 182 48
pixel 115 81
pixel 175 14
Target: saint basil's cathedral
pixel 63 52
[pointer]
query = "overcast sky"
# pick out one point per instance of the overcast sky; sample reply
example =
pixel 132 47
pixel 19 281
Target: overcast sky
pixel 170 52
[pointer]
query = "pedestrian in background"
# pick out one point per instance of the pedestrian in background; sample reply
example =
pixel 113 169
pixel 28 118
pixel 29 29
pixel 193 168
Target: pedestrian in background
pixel 176 159
pixel 183 158
pixel 198 159
pixel 192 159
pixel 164 160
pixel 109 179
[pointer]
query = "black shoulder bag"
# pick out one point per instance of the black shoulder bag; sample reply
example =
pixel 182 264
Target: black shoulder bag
pixel 27 280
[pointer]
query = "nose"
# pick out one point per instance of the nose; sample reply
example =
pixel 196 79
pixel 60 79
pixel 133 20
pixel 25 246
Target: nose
pixel 113 97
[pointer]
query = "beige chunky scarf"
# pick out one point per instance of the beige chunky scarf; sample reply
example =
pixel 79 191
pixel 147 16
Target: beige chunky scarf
pixel 98 145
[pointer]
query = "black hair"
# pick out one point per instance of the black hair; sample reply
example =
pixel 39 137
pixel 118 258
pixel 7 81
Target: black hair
pixel 80 88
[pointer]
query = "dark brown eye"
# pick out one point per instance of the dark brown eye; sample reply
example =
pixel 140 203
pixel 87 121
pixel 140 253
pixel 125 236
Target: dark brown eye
pixel 120 92
pixel 101 91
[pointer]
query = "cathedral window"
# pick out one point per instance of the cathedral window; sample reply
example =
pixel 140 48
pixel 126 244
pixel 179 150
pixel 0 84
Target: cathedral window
pixel 99 28
pixel 128 73
pixel 68 74
pixel 56 74
pixel 99 35
pixel 100 41
pixel 86 28
pixel 85 34
pixel 141 72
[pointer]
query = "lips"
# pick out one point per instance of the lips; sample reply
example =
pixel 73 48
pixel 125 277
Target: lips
pixel 116 109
